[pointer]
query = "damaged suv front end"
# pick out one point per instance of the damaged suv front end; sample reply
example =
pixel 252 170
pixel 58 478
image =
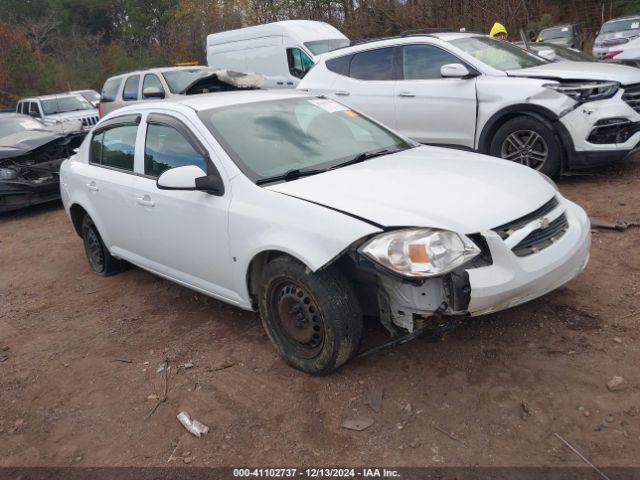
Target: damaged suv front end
pixel 30 158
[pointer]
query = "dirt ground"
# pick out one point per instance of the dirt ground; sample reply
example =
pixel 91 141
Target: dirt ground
pixel 500 385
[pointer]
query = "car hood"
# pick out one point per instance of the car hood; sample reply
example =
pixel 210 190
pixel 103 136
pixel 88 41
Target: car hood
pixel 74 115
pixel 581 71
pixel 428 187
pixel 20 143
pixel 611 35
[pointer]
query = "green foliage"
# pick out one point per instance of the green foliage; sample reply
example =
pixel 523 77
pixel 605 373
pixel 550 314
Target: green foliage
pixel 25 73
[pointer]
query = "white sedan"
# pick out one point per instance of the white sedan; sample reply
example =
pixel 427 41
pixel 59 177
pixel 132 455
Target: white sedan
pixel 315 215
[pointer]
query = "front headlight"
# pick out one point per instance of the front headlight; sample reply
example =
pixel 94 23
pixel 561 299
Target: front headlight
pixel 8 174
pixel 420 252
pixel 585 91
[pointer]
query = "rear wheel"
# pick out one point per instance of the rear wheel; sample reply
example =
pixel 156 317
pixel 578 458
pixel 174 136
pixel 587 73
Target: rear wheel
pixel 313 319
pixel 98 256
pixel 530 142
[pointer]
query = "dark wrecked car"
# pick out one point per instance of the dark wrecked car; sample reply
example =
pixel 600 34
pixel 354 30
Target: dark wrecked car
pixel 30 158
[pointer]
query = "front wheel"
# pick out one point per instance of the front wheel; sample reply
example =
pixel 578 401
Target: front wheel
pixel 530 142
pixel 312 318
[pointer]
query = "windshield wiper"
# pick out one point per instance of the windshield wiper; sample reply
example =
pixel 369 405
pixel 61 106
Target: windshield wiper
pixel 361 157
pixel 290 175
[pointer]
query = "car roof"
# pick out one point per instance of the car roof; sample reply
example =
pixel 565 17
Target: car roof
pixel 49 97
pixel 206 101
pixel 159 70
pixel 559 25
pixel 619 19
pixel 400 40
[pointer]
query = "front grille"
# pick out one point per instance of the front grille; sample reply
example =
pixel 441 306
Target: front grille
pixel 631 96
pixel 542 237
pixel 508 228
pixel 89 121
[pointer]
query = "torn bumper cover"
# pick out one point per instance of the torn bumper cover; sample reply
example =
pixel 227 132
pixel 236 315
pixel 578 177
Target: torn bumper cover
pixel 535 255
pixel 29 167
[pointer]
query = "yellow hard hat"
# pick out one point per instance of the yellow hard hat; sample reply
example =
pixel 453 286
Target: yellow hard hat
pixel 498 28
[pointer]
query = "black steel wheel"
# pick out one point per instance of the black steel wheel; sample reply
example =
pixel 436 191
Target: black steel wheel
pixel 300 319
pixel 98 256
pixel 313 319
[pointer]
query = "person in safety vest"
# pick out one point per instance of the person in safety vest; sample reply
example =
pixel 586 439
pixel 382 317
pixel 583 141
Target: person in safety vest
pixel 498 31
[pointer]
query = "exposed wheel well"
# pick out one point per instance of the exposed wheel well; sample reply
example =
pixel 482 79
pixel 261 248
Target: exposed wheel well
pixel 77 214
pixel 254 272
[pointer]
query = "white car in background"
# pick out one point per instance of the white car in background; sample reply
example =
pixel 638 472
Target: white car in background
pixel 314 215
pixel 474 92
pixel 61 109
pixel 281 51
pixel 626 54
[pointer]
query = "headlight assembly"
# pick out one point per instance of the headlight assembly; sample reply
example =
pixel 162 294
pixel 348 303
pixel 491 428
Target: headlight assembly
pixel 586 91
pixel 420 252
pixel 8 174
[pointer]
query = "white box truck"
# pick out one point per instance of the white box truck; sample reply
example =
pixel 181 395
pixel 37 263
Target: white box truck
pixel 281 51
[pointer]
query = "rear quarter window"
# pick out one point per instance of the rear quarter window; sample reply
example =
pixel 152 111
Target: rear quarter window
pixel 340 65
pixel 110 90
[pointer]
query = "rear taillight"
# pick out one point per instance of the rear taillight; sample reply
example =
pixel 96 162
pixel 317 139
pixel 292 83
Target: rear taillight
pixel 100 110
pixel 609 55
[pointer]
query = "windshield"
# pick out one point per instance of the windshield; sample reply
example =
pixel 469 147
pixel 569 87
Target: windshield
pixel 16 125
pixel 563 53
pixel 64 104
pixel 319 47
pixel 271 138
pixel 91 96
pixel 621 25
pixel 556 32
pixel 497 53
pixel 178 80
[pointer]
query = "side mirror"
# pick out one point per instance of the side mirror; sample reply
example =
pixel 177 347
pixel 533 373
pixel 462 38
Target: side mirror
pixel 152 92
pixel 34 114
pixel 454 70
pixel 190 177
pixel 548 55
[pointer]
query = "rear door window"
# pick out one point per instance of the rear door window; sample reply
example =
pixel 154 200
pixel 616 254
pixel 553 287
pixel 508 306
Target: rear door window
pixel 130 91
pixel 110 90
pixel 376 64
pixel 114 147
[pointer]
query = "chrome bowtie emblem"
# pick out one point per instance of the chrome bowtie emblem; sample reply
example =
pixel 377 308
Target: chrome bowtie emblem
pixel 544 222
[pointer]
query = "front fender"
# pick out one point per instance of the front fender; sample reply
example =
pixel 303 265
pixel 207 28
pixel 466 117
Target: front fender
pixel 262 220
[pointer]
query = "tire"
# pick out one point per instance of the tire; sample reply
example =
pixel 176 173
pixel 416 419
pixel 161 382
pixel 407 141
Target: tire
pixel 314 320
pixel 98 256
pixel 539 147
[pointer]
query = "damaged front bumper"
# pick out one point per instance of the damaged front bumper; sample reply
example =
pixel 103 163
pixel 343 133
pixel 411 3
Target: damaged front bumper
pixel 542 252
pixel 20 193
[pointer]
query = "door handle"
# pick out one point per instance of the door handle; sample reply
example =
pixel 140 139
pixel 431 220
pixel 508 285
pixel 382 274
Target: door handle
pixel 145 201
pixel 407 94
pixel 343 93
pixel 92 186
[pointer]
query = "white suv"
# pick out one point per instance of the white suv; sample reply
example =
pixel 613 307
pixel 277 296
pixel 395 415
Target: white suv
pixel 61 109
pixel 473 92
pixel 314 215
